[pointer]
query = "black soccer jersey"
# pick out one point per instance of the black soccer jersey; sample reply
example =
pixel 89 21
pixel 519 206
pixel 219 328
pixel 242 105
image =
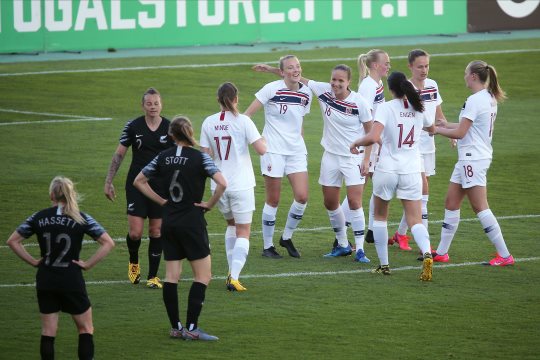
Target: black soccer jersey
pixel 184 171
pixel 145 143
pixel 60 239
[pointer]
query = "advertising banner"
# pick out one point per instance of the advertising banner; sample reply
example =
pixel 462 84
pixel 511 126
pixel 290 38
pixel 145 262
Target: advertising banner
pixel 503 15
pixel 71 25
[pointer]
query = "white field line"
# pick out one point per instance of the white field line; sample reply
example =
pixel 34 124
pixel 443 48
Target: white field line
pixel 69 118
pixel 290 274
pixel 191 66
pixel 121 240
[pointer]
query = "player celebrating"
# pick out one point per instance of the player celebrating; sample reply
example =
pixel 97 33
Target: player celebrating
pixel 59 281
pixel 285 102
pixel 474 133
pixel 226 136
pixel 185 170
pixel 147 135
pixel 398 123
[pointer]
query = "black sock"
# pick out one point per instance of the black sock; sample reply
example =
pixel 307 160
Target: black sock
pixel 170 299
pixel 133 248
pixel 154 256
pixel 46 347
pixel 195 303
pixel 86 346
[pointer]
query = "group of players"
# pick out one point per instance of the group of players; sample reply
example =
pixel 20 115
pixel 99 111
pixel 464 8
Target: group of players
pixel 364 136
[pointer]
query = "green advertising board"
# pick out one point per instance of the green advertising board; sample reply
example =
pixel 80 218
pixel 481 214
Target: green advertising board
pixel 56 25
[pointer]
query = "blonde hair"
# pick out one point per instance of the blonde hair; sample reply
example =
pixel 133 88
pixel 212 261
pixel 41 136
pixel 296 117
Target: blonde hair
pixel 62 190
pixel 487 76
pixel 365 61
pixel 283 58
pixel 182 130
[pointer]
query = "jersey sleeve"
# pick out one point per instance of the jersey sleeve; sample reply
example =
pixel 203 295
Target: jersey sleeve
pixel 209 166
pixel 204 141
pixel 125 137
pixel 368 93
pixel 426 120
pixel 364 110
pixel 264 94
pixel 92 228
pixel 26 229
pixel 151 169
pixel 307 108
pixel 382 114
pixel 319 88
pixel 470 109
pixel 439 97
pixel 252 133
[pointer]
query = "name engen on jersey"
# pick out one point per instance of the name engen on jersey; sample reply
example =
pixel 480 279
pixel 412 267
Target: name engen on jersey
pixel 408 114
pixel 57 220
pixel 175 160
pixel 58 16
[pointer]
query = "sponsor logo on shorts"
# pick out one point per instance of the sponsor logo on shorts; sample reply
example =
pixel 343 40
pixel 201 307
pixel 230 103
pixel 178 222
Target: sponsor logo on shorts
pixel 269 167
pixel 131 206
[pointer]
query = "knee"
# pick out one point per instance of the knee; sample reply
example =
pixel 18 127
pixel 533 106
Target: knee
pixel 135 234
pixel 86 328
pixel 301 198
pixel 154 232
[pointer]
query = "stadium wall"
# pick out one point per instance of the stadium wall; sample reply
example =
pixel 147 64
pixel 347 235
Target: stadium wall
pixel 78 25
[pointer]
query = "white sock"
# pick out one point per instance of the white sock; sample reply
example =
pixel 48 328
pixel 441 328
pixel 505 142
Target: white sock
pixel 346 210
pixel 449 227
pixel 268 225
pixel 230 239
pixel 380 235
pixel 425 199
pixel 358 223
pixel 239 256
pixel 493 231
pixel 371 212
pixel 402 228
pixel 421 237
pixel 337 221
pixel 296 212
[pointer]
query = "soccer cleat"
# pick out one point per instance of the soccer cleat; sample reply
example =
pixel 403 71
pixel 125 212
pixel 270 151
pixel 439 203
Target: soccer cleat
pixel 228 279
pixel 197 334
pixel 176 334
pixel 427 268
pixel 335 244
pixel 271 253
pixel 402 240
pixel 288 244
pixel 500 261
pixel 369 237
pixel 235 285
pixel 339 251
pixel 134 273
pixel 440 258
pixel 154 283
pixel 382 270
pixel 361 257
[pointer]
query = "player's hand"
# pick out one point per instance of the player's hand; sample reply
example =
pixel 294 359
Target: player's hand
pixel 204 205
pixel 364 168
pixel 453 143
pixel 262 68
pixel 37 262
pixel 81 264
pixel 109 191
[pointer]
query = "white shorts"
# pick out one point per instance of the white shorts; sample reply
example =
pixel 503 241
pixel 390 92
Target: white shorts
pixel 237 205
pixel 428 163
pixel 374 157
pixel 277 165
pixel 405 186
pixel 469 173
pixel 338 168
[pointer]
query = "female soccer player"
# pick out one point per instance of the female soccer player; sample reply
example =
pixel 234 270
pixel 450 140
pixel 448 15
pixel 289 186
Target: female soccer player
pixel 59 281
pixel 346 115
pixel 474 133
pixel 285 102
pixel 147 135
pixel 226 137
pixel 184 171
pixel 398 123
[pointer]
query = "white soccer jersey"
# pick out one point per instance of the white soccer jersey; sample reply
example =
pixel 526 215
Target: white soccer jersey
pixel 372 91
pixel 284 112
pixel 402 126
pixel 343 119
pixel 431 98
pixel 229 137
pixel 481 109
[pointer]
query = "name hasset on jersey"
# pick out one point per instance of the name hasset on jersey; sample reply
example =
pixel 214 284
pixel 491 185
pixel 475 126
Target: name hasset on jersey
pixel 285 96
pixel 57 220
pixel 180 160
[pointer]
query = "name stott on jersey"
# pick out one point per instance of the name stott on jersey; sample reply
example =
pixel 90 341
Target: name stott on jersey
pixel 229 137
pixel 145 143
pixel 60 239
pixel 431 98
pixel 343 119
pixel 402 126
pixel 481 109
pixel 184 171
pixel 284 112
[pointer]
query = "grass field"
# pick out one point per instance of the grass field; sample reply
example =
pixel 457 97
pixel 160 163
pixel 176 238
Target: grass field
pixel 308 308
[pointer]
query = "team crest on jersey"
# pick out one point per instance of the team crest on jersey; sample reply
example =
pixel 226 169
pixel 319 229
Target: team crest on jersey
pixel 303 102
pixel 348 110
pixel 432 96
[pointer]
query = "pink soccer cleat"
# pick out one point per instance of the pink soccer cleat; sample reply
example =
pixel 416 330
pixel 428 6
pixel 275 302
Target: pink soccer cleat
pixel 500 261
pixel 402 240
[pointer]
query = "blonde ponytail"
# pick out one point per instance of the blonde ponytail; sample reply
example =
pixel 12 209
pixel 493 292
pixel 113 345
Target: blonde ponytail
pixel 62 190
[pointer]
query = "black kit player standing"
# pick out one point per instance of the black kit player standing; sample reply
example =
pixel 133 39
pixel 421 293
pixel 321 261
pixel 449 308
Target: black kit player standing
pixel 148 136
pixel 59 281
pixel 184 171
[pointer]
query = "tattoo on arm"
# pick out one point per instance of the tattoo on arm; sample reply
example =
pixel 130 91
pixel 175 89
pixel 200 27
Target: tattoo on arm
pixel 113 168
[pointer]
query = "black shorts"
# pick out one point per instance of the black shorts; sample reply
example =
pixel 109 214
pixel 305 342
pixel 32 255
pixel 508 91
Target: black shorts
pixel 69 301
pixel 180 242
pixel 141 206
